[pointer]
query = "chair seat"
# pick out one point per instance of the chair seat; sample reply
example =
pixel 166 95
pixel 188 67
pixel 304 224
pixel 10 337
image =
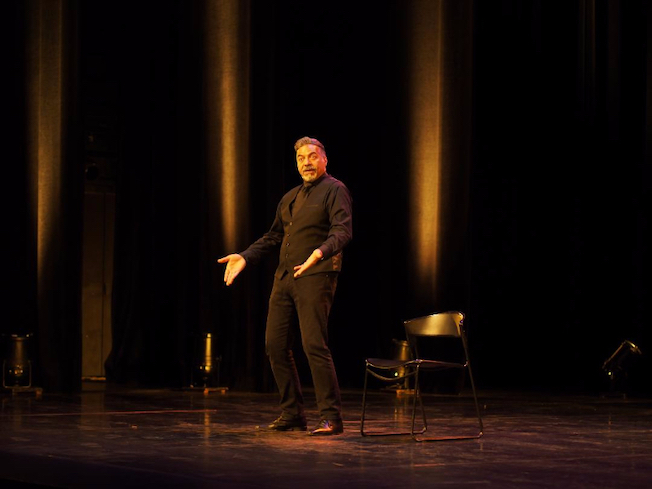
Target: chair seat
pixel 386 363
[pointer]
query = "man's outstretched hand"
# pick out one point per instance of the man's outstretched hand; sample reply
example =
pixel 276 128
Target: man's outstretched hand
pixel 314 257
pixel 234 265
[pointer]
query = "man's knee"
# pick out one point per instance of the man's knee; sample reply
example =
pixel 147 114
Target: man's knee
pixel 278 350
pixel 272 347
pixel 316 348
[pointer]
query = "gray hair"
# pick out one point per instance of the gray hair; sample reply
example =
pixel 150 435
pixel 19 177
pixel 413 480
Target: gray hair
pixel 307 140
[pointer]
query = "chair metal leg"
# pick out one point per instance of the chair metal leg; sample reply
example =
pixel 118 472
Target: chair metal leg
pixel 462 437
pixel 475 400
pixel 364 409
pixel 475 395
pixel 364 401
pixel 417 396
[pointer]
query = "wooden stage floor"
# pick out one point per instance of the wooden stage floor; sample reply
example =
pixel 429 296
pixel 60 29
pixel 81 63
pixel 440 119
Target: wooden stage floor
pixel 117 437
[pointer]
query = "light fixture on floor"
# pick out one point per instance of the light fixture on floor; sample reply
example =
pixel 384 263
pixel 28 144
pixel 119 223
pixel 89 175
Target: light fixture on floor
pixel 16 364
pixel 206 372
pixel 619 362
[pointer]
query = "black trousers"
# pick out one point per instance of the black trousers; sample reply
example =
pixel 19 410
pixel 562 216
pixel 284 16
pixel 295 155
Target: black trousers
pixel 308 298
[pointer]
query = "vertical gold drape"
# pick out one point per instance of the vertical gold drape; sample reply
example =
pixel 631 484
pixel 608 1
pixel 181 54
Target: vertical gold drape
pixel 226 86
pixel 46 110
pixel 55 185
pixel 425 129
pixel 439 125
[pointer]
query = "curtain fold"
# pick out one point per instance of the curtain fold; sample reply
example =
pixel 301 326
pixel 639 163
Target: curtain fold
pixel 56 188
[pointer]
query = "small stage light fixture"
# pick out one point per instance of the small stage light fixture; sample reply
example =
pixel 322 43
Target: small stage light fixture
pixel 617 365
pixel 16 364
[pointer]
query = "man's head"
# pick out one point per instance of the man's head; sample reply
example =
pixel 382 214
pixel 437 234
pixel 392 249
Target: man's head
pixel 311 158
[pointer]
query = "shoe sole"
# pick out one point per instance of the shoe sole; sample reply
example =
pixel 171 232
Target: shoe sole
pixel 293 428
pixel 325 433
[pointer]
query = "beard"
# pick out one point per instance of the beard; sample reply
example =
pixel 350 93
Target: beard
pixel 311 176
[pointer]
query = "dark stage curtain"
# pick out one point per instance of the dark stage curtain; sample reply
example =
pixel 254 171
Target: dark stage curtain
pixel 43 198
pixel 180 202
pixel 513 137
pixel 543 143
pixel 560 188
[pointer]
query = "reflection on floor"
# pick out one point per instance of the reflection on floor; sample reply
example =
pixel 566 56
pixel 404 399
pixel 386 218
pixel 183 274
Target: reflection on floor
pixel 124 437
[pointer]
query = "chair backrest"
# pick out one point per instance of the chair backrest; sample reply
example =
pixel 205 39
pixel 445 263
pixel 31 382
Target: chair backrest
pixel 439 325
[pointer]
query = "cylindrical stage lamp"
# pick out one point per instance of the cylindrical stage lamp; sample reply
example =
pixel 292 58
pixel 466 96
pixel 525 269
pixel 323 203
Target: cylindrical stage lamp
pixel 401 351
pixel 206 371
pixel 16 362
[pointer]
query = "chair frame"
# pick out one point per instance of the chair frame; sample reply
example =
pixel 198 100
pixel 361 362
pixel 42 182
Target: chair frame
pixel 445 324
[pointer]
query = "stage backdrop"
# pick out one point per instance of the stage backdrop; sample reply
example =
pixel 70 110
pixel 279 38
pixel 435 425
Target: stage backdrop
pixel 497 154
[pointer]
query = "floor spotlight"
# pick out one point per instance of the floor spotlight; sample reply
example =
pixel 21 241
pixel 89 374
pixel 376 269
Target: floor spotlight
pixel 206 371
pixel 16 364
pixel 619 362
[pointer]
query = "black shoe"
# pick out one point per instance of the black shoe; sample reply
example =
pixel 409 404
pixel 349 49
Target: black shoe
pixel 328 427
pixel 284 424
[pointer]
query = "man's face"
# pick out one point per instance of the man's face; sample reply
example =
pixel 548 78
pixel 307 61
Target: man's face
pixel 311 162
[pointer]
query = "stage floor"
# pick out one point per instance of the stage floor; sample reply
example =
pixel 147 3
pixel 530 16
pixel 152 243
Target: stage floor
pixel 118 437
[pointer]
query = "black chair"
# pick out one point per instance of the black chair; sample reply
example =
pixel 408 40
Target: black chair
pixel 420 335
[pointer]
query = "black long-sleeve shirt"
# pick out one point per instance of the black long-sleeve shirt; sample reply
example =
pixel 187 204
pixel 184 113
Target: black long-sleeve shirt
pixel 323 222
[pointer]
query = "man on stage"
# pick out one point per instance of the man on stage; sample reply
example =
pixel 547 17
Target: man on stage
pixel 313 224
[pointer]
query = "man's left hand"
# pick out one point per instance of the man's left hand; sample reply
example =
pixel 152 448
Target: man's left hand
pixel 314 257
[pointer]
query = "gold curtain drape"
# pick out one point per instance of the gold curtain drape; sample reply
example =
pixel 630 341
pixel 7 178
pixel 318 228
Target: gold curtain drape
pixel 439 152
pixel 226 92
pixel 55 185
